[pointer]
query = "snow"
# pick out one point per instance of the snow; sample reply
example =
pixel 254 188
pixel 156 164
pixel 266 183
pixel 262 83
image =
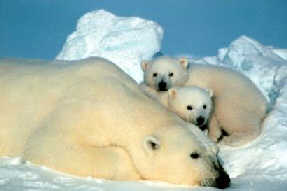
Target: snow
pixel 119 39
pixel 257 62
pixel 281 52
pixel 266 156
pixel 260 165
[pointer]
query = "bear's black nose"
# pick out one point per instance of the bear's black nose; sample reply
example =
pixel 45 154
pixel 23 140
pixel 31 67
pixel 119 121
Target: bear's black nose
pixel 223 180
pixel 162 86
pixel 200 120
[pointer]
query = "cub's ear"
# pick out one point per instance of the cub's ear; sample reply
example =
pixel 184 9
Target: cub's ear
pixel 172 93
pixel 151 143
pixel 184 62
pixel 144 65
pixel 210 92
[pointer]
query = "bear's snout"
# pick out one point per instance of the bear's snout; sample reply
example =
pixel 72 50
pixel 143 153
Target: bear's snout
pixel 222 181
pixel 162 86
pixel 200 121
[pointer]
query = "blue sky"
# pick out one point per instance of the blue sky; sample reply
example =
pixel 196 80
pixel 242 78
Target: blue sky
pixel 38 28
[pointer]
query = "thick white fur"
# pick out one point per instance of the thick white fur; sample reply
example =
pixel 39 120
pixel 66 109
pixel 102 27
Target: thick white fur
pixel 191 103
pixel 239 107
pixel 89 118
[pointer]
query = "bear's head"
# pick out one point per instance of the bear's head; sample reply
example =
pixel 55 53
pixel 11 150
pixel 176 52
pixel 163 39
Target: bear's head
pixel 193 104
pixel 164 72
pixel 176 155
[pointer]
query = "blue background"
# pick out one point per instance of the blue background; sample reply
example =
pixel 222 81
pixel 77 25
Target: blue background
pixel 38 28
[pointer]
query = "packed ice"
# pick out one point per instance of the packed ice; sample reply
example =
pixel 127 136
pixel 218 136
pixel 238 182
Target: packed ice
pixel 119 39
pixel 260 165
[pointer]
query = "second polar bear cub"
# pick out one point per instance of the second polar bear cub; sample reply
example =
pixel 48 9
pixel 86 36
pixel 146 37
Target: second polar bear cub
pixel 192 104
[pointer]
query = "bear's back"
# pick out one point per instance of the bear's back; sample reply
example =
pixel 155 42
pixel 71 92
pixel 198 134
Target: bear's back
pixel 223 80
pixel 32 91
pixel 229 84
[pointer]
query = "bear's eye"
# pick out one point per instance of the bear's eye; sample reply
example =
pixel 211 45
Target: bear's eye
pixel 170 74
pixel 194 155
pixel 189 107
pixel 204 106
pixel 154 75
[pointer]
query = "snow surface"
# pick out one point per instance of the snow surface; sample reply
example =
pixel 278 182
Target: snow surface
pixel 119 39
pixel 281 52
pixel 260 165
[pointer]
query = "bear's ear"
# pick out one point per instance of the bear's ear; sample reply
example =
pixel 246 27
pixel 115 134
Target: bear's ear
pixel 172 93
pixel 184 62
pixel 210 92
pixel 151 143
pixel 144 65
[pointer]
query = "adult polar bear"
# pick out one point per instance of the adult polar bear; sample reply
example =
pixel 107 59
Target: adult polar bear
pixel 89 118
pixel 239 107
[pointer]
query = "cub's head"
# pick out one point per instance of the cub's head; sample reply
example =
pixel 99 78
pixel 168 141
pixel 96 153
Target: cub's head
pixel 164 72
pixel 192 104
pixel 177 156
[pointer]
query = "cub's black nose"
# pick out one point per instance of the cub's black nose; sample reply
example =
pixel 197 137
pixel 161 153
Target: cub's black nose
pixel 200 120
pixel 162 86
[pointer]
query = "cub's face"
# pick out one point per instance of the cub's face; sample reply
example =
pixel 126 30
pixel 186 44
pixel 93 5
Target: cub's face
pixel 192 104
pixel 178 157
pixel 164 73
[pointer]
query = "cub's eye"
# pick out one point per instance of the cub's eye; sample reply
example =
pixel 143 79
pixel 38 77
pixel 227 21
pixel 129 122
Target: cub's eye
pixel 189 107
pixel 154 75
pixel 204 106
pixel 170 74
pixel 194 155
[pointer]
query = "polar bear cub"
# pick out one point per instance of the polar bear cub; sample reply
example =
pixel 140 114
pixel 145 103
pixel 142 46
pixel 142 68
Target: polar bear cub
pixel 164 73
pixel 193 104
pixel 239 106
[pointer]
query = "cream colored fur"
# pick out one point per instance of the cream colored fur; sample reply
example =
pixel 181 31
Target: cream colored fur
pixel 239 106
pixel 89 118
pixel 191 103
